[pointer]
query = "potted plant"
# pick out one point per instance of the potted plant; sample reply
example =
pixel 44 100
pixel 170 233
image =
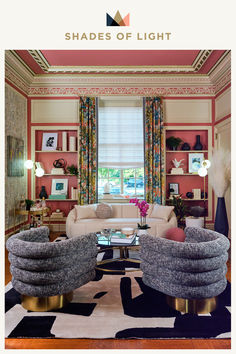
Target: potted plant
pixel 196 218
pixel 173 142
pixel 28 203
pixel 143 207
pixel 72 170
pixel 180 209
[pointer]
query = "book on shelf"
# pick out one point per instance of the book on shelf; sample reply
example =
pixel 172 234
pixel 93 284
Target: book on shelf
pixel 74 193
pixel 120 238
pixel 57 196
pixel 57 171
pixel 57 215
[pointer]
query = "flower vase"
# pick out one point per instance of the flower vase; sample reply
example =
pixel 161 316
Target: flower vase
pixel 198 145
pixel 221 221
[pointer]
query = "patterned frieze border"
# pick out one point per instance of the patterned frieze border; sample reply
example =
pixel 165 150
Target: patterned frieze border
pixel 101 91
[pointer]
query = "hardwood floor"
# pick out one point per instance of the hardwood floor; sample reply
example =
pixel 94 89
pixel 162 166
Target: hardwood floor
pixel 16 343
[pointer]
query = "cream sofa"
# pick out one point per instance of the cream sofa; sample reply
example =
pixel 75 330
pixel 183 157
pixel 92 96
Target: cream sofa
pixel 123 215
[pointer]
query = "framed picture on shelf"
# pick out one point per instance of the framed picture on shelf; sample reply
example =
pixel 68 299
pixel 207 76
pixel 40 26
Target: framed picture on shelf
pixel 174 188
pixel 59 186
pixel 194 162
pixel 49 141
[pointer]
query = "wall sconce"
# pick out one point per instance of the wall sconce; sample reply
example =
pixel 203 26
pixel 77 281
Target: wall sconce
pixel 39 171
pixel 202 172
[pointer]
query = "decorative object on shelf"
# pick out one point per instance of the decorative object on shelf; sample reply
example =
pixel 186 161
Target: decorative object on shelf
pixel 57 214
pixel 195 161
pixel 59 186
pixel 107 188
pixel 49 141
pixel 185 147
pixel 72 143
pixel 64 141
pixel 198 144
pixel 174 188
pixel 143 207
pixel 173 142
pixel 29 203
pixel 43 193
pixel 38 167
pixel 15 157
pixel 180 208
pixel 57 196
pixel 177 169
pixel 202 172
pixel 196 219
pixel 202 195
pixel 189 195
pixel 219 178
pixel 196 193
pixel 72 170
pixel 59 167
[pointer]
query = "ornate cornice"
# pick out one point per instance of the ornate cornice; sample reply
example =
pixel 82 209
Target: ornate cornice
pixel 47 68
pixel 126 84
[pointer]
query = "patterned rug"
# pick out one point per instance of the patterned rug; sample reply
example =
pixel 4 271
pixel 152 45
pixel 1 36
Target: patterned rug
pixel 116 305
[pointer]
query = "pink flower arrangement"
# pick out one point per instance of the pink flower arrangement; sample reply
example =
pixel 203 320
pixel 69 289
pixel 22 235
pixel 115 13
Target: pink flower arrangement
pixel 143 207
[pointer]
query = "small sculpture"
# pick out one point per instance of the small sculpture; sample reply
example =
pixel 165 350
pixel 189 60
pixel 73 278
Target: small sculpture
pixel 177 164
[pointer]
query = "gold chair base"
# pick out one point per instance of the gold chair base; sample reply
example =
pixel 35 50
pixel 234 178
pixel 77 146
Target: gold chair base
pixel 42 304
pixel 194 306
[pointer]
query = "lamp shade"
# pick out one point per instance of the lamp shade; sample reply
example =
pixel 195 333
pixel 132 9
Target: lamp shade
pixel 206 163
pixel 29 164
pixel 39 172
pixel 202 171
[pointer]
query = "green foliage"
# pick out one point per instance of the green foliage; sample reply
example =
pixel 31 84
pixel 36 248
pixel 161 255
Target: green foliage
pixel 173 142
pixel 72 170
pixel 29 202
pixel 180 208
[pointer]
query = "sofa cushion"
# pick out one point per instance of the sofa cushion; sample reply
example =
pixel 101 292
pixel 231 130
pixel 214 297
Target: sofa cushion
pixel 85 212
pixel 161 212
pixel 175 234
pixel 130 211
pixel 104 211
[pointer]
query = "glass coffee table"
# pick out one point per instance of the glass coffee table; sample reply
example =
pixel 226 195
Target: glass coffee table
pixel 105 243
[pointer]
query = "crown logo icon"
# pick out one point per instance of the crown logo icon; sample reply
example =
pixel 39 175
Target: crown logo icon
pixel 117 20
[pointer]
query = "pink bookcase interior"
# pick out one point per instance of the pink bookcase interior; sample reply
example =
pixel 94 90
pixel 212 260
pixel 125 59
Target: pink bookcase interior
pixel 39 138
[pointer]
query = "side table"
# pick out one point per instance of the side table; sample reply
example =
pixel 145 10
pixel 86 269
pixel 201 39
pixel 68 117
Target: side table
pixel 34 213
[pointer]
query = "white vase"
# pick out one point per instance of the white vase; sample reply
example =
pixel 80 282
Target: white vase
pixel 142 231
pixel 194 222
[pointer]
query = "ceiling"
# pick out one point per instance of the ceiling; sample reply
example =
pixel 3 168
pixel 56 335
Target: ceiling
pixel 174 62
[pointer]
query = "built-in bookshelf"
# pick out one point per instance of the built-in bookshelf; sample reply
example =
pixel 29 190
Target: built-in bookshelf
pixel 187 181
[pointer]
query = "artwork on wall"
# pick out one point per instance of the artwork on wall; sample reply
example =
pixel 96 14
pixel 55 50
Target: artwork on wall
pixel 59 186
pixel 195 161
pixel 174 188
pixel 15 157
pixel 49 141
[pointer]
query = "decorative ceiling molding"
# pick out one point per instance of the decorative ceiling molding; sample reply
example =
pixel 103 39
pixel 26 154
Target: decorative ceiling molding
pixel 47 68
pixel 72 84
pixel 201 59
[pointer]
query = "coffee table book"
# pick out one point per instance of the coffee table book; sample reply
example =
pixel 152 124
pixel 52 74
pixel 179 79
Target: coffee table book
pixel 122 239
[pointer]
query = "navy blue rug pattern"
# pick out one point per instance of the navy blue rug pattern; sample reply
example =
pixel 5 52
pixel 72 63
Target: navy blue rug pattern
pixel 116 305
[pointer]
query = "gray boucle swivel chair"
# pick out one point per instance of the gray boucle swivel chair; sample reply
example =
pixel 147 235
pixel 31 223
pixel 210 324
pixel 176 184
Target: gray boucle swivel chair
pixel 191 273
pixel 46 273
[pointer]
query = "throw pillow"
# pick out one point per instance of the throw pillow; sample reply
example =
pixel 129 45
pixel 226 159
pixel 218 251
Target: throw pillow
pixel 104 211
pixel 85 212
pixel 161 211
pixel 175 234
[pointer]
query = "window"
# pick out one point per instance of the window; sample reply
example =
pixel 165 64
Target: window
pixel 120 146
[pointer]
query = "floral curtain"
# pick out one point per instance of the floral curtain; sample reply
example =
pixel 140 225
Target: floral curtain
pixel 154 151
pixel 87 155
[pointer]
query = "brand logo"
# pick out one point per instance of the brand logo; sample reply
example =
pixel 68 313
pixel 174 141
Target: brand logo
pixel 117 20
